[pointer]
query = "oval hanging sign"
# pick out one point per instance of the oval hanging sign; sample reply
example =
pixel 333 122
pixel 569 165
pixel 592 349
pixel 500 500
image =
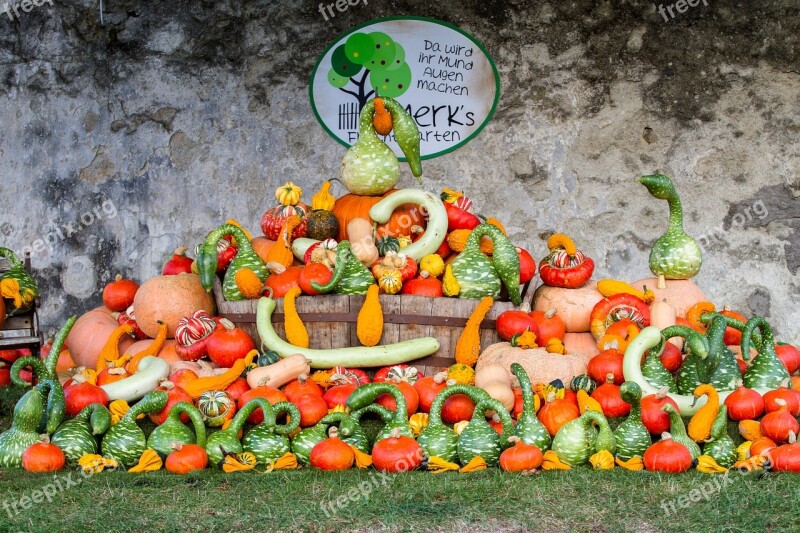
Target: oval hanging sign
pixel 444 78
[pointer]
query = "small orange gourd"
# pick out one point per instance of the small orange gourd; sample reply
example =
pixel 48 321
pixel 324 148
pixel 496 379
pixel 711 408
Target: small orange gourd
pixel 296 332
pixel 248 283
pixel 369 326
pixel 469 343
pixel 198 386
pixel 382 119
pixel 110 351
pixel 281 252
pixel 699 427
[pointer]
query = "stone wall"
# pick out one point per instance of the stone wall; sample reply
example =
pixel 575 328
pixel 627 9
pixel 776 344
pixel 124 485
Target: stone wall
pixel 145 131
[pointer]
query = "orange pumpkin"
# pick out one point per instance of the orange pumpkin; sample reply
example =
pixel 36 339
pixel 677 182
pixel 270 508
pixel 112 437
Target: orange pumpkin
pixel 796 383
pixel 679 293
pixel 574 306
pixel 352 206
pixel 169 298
pixel 282 283
pixel 582 343
pixel 262 246
pixel 90 333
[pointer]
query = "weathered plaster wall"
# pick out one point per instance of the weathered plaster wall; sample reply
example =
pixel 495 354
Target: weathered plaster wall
pixel 173 116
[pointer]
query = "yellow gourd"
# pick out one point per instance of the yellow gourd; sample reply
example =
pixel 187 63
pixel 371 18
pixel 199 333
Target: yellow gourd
pixel 635 463
pixel 587 403
pixel 239 462
pixel 699 427
pixel 287 461
pixel 248 283
pixel 437 465
pixel 457 241
pixel 149 461
pixel 602 460
pixel 612 287
pixel 461 374
pixel 559 240
pixel 433 264
pixel 281 251
pixel 476 464
pixel 750 429
pixel 369 326
pixel 323 200
pixel 550 461
pixel 390 280
pixel 468 347
pixel 296 332
pixel 418 422
pixel 556 346
pixel 288 194
pixel 198 386
pixel 110 351
pixel 450 285
pixel 708 465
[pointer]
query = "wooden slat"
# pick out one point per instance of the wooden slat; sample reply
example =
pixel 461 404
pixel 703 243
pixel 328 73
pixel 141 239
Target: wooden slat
pixel 391 330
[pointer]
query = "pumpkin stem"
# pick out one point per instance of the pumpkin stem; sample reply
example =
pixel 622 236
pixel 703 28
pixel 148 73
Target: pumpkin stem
pixel 333 432
pixel 662 393
pixel 666 435
pixel 662 282
pixel 180 250
pixel 166 384
pixel 792 437
pixel 440 378
pixel 118 277
pixel 227 324
pixel 177 446
pixel 551 313
pixel 514 439
pixel 395 433
pixel 44 438
pixel 610 377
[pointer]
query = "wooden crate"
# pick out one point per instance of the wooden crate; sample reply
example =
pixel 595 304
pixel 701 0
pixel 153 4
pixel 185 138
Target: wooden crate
pixel 331 321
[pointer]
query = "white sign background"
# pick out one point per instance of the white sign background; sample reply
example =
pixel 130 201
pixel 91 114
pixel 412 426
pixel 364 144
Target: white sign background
pixel 453 92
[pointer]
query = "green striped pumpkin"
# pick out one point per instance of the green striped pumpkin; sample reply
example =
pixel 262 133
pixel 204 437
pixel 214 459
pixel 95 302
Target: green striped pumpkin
pixel 529 429
pixel 350 276
pixel 767 370
pixel 245 257
pixel 479 276
pixel 479 439
pixel 227 440
pixel 720 446
pixel 583 382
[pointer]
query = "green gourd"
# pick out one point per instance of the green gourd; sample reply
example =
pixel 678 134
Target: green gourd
pixel 720 446
pixel 529 429
pixel 369 167
pixel 227 440
pixel 675 255
pixel 125 441
pixel 766 371
pixel 268 441
pixel 48 383
pixel 358 438
pixel 479 439
pixel 350 276
pixel 694 370
pixel 655 373
pixel 366 394
pixel 631 436
pixel 577 440
pixel 27 414
pixel 435 212
pixel 304 442
pixel 245 257
pixel 438 440
pixel 724 369
pixel 78 436
pixel 479 276
pixel 28 289
pixel 583 382
pixel 678 430
pixel 172 430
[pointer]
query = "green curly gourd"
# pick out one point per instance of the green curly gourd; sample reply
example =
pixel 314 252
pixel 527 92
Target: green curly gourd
pixel 125 441
pixel 304 442
pixel 358 438
pixel 227 440
pixel 366 394
pixel 369 166
pixel 435 212
pixel 577 440
pixel 172 430
pixel 755 337
pixel 678 431
pixel 350 276
pixel 655 373
pixel 438 440
pixel 269 442
pixel 693 371
pixel 27 414
pixel 78 436
pixel 631 436
pixel 529 429
pixel 48 382
pixel 245 257
pixel 720 446
pixel 479 276
pixel 766 371
pixel 479 439
pixel 28 289
pixel 675 255
pixel 725 373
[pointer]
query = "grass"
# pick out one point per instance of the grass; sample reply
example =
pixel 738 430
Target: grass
pixel 580 499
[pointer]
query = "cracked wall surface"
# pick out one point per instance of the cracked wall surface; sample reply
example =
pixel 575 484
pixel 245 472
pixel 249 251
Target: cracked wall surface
pixel 171 117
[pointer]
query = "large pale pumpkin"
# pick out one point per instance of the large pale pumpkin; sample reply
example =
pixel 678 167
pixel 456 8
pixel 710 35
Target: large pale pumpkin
pixel 574 305
pixel 169 298
pixel 352 206
pixel 541 366
pixel 90 333
pixel 582 343
pixel 679 293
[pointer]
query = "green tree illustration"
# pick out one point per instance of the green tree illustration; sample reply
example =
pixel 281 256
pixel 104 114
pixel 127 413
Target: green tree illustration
pixel 374 56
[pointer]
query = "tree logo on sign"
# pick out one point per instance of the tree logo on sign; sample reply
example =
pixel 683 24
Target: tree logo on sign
pixel 380 58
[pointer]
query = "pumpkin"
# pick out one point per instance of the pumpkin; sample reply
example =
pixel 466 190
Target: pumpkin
pixel 273 220
pixel 605 363
pixel 786 458
pixel 90 333
pixel 282 283
pixel 777 425
pixel 216 407
pixel 177 264
pixel 668 456
pixel 514 322
pixel 43 457
pixel 352 206
pixel 169 298
pixel 228 343
pixel 744 404
pixel 175 395
pixel 185 458
pixel 338 394
pixel 541 366
pixel 423 285
pixel 610 400
pixel 428 387
pixel 302 386
pixel 332 453
pixel 79 395
pixel 313 408
pixel 168 351
pixel 582 343
pixel 271 394
pixel 322 225
pixel 262 246
pixel 788 354
pixel 790 398
pixel 457 408
pixel 390 281
pixel 550 325
pixel 118 295
pixel 520 457
pixel 681 294
pixel 398 453
pixel 556 412
pixel 654 418
pixel 574 306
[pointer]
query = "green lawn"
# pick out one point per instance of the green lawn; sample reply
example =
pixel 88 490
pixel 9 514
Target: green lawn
pixel 491 500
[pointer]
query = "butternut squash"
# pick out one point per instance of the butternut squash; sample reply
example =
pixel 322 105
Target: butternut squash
pixel 278 374
pixel 362 242
pixel 663 315
pixel 501 392
pixel 492 373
